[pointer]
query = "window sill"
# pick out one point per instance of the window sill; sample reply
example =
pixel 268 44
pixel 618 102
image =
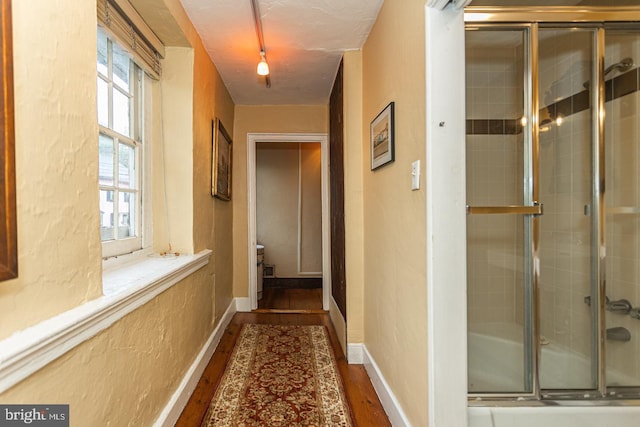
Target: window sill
pixel 144 268
pixel 129 283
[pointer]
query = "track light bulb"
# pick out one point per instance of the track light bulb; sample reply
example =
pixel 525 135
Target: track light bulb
pixel 263 67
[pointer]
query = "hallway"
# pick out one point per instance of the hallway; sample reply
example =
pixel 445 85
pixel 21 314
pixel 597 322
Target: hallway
pixel 363 401
pixel 132 261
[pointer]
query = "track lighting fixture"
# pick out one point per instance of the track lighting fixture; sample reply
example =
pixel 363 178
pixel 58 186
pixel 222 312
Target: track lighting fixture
pixel 263 67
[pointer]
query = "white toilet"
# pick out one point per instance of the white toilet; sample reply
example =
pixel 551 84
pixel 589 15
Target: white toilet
pixel 260 253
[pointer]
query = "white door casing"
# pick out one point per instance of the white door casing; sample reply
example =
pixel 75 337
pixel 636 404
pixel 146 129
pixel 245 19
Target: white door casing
pixel 252 139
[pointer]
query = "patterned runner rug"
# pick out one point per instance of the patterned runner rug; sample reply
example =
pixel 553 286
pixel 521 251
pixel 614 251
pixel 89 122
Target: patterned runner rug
pixel 280 375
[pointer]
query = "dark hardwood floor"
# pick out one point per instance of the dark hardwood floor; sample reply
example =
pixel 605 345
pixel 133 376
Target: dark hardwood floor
pixel 291 299
pixel 364 403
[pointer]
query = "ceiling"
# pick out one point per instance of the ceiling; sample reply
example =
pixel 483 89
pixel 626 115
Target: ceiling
pixel 304 42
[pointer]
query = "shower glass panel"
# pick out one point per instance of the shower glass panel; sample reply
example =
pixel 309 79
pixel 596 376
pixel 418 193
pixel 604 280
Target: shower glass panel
pixel 496 165
pixel 565 188
pixel 622 201
pixel 553 205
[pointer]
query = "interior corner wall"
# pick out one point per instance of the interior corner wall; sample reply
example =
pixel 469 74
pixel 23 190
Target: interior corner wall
pixel 212 217
pixel 395 294
pixel 112 378
pixel 310 209
pixel 355 165
pixel 277 193
pixel 177 143
pixel 261 119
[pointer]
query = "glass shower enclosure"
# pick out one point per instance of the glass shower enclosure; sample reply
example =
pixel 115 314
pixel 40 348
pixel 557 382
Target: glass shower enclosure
pixel 553 224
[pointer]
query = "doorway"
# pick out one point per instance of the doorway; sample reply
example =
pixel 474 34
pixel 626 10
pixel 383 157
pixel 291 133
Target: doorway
pixel 253 140
pixel 289 225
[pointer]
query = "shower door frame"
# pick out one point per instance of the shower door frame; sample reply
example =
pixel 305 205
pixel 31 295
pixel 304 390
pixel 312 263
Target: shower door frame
pixel 596 19
pixel 530 210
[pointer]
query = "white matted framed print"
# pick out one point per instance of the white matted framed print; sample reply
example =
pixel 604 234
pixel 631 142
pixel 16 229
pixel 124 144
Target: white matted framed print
pixel 382 138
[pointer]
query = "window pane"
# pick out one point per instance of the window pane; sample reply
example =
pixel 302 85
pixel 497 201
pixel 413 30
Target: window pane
pixel 126 166
pixel 106 215
pixel 102 53
pixel 103 103
pixel 121 68
pixel 126 215
pixel 121 108
pixel 118 88
pixel 106 160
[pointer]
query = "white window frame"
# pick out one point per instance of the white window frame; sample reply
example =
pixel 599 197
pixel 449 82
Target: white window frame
pixel 139 98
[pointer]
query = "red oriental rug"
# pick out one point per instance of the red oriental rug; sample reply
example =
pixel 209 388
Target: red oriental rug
pixel 280 375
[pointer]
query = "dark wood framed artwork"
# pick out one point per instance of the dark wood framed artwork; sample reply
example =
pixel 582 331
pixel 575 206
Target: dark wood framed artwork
pixel 221 162
pixel 8 236
pixel 383 137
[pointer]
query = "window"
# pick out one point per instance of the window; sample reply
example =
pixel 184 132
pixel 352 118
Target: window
pixel 120 120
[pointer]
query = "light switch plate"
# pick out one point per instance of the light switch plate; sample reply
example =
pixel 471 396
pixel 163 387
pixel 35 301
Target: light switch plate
pixel 415 175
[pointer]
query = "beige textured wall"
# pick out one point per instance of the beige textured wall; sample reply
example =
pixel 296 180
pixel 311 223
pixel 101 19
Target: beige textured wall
pixel 262 119
pixel 112 378
pixel 212 217
pixel 59 252
pixel 125 375
pixel 289 206
pixel 394 216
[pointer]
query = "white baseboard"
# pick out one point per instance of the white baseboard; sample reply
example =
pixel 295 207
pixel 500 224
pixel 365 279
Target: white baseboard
pixel 355 354
pixel 180 397
pixel 389 402
pixel 243 305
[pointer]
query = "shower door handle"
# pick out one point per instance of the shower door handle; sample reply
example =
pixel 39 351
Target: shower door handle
pixel 536 209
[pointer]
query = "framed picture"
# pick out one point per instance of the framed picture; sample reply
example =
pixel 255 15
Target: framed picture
pixel 221 162
pixel 382 138
pixel 8 221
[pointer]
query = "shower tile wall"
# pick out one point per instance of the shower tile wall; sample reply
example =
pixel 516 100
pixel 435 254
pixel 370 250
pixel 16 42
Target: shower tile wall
pixel 622 138
pixel 494 177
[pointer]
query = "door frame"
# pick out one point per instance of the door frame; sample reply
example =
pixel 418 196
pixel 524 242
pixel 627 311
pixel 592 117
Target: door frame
pixel 446 280
pixel 252 140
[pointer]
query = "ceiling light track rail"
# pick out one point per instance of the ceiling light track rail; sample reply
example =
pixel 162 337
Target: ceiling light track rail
pixel 263 67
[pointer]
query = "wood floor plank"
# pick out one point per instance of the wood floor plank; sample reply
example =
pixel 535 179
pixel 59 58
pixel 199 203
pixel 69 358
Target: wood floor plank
pixel 366 408
pixel 291 299
pixel 306 299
